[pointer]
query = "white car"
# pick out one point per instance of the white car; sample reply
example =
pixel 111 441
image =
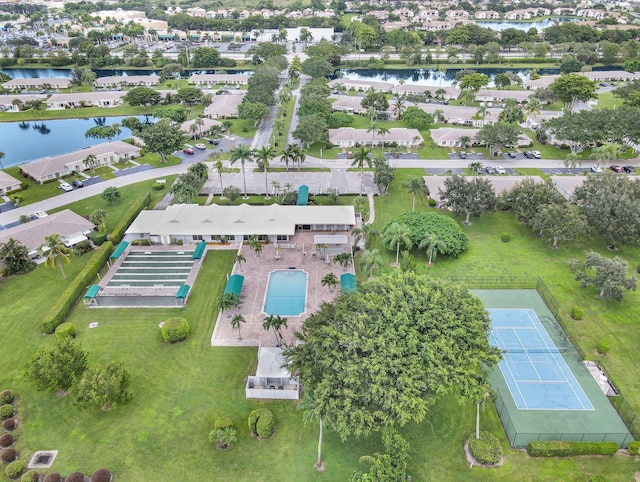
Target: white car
pixel 66 187
pixel 40 214
pixel 596 169
pixel 536 154
pixel 500 170
pixel 201 146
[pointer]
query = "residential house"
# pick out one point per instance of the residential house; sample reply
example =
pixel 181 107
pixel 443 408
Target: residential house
pixel 457 14
pixel 450 137
pixel 114 81
pixel 542 82
pixel 592 13
pixel 85 99
pixel 38 83
pixel 487 15
pixel 8 183
pixel 351 137
pixel 7 101
pixel 215 79
pixel 223 106
pixel 444 93
pixel 499 96
pixel 360 85
pixel 195 131
pixel 437 26
pixel 56 167
pixel 461 115
pixel 349 104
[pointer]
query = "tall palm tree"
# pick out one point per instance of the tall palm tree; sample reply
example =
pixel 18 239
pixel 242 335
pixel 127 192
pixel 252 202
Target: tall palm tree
pixel 343 259
pixel 228 301
pixel 330 280
pixel 415 186
pixel 365 232
pixel 91 161
pixel 243 154
pixel 432 245
pixel 239 260
pixel 607 152
pixel 236 321
pixel 263 156
pixel 220 169
pixel 199 122
pixel 288 155
pixel 362 157
pixel 370 261
pixel 373 126
pixel 275 322
pixel 382 131
pixel 297 154
pixel 482 112
pixel 532 107
pixel 56 252
pixel 313 411
pixel 397 234
pixel 256 245
pixel 399 107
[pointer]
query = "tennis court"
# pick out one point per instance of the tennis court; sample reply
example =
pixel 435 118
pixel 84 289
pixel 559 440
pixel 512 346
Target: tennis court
pixel 533 367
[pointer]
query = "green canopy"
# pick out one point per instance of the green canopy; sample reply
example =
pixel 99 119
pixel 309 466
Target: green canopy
pixel 348 283
pixel 197 254
pixel 303 195
pixel 182 291
pixel 234 284
pixel 119 250
pixel 93 291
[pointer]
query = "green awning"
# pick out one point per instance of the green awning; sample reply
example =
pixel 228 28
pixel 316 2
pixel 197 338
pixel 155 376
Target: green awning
pixel 182 291
pixel 93 291
pixel 234 284
pixel 303 195
pixel 348 283
pixel 119 250
pixel 197 254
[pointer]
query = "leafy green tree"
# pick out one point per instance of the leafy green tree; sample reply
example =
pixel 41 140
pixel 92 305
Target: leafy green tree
pixel 527 197
pixel 394 235
pixel 143 96
pixel 572 88
pixel 468 197
pixel 15 257
pixel 58 367
pixel 103 132
pixel 102 387
pixel 55 252
pixel 205 57
pixel 416 186
pixel 376 100
pixel 416 118
pixel 98 217
pixel 243 154
pixel 311 129
pixel 163 138
pixel 317 67
pixel 408 262
pixel 607 152
pixel 252 110
pixel 111 194
pixel 390 466
pixel 354 350
pixel 199 170
pixel 570 64
pixel 502 80
pixel 609 276
pixel 330 280
pixel 189 96
pixel 175 113
pixel 383 173
pixel 328 50
pixel 432 245
pixel 560 222
pixel 473 82
pixel 498 135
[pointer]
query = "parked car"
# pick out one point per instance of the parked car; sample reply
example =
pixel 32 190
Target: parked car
pixel 536 154
pixel 201 146
pixel 77 183
pixel 213 142
pixel 462 154
pixel 629 169
pixel 500 170
pixel 40 214
pixel 188 150
pixel 615 168
pixel 66 187
pixel 596 169
pixel 528 154
pixel 489 170
pixel 511 154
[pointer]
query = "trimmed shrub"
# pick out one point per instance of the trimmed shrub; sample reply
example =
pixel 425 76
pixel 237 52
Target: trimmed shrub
pixel 52 477
pixel 10 424
pixel 175 329
pixel 158 186
pixel 577 313
pixel 266 424
pixel 128 217
pixel 141 242
pixel 253 419
pixel 7 396
pixel 6 440
pixel 98 237
pixel 74 477
pixel 30 476
pixel 6 411
pixel 14 469
pixel 83 247
pixel 223 422
pixel 101 475
pixel 603 347
pixel 66 330
pixel 634 447
pixel 77 288
pixel 562 448
pixel 485 449
pixel 505 237
pixel 8 456
pixel 432 202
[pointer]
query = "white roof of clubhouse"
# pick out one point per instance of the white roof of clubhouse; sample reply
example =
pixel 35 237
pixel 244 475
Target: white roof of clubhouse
pixel 216 220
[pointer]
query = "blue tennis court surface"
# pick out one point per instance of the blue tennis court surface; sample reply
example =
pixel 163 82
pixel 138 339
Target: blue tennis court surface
pixel 537 375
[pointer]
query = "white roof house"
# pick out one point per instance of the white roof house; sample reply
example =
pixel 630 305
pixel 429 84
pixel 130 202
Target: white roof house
pixel 361 85
pixel 450 136
pixel 205 128
pixel 7 105
pixel 351 137
pixel 212 79
pixel 348 104
pixel 498 95
pixel 461 115
pixel 191 222
pixel 223 106
pixel 85 99
pixel 38 83
pixel 58 166
pixel 448 93
pixel 271 380
pixel 8 183
pixel 127 80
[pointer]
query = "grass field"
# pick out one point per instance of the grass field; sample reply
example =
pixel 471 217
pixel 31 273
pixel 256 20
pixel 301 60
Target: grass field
pixel 179 390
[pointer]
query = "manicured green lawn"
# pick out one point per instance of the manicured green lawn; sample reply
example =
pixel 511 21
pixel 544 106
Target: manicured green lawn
pixel 123 110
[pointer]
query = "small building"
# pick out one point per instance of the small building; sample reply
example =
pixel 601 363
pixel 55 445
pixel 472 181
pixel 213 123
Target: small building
pixel 272 380
pixel 461 115
pixel 199 131
pixel 85 99
pixel 12 103
pixel 542 82
pixel 445 93
pixel 360 85
pixel 351 137
pixel 37 83
pixel 216 79
pixel 57 167
pixel 8 183
pixel 114 81
pixel 450 137
pixel 498 95
pixel 348 104
pixel 223 106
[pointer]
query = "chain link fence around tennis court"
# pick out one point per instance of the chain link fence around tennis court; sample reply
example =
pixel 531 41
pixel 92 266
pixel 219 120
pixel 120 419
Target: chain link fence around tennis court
pixel 617 399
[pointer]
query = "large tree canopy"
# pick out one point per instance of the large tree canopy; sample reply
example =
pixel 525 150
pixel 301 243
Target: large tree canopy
pixel 380 357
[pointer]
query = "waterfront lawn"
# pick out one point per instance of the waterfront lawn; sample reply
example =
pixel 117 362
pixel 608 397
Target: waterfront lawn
pixel 30 115
pixel 33 191
pixel 154 160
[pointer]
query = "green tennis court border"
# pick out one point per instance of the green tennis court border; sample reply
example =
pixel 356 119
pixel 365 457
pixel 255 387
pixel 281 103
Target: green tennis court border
pixel 524 426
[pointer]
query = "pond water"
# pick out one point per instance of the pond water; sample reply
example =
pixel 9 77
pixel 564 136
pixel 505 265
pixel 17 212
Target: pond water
pixel 19 73
pixel 524 26
pixel 31 140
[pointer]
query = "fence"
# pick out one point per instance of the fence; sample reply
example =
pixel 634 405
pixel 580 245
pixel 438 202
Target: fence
pixel 622 406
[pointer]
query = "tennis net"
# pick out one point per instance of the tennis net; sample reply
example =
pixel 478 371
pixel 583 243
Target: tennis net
pixel 536 350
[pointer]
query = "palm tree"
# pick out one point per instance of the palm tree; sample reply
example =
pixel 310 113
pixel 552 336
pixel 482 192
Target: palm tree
pixel 185 193
pixel 370 261
pixel 199 122
pixel 362 157
pixel 311 412
pixel 432 245
pixel 199 170
pixel 256 245
pixel 263 156
pixel 297 154
pixel 239 260
pixel 482 112
pixel 275 322
pixel 465 141
pixel 382 131
pixel 399 107
pixel 56 252
pixel 236 321
pixel 397 234
pixel 343 259
pixel 607 152
pixel 330 280
pixel 438 115
pixel 241 153
pixel 365 232
pixel 91 161
pixel 287 155
pixel 415 186
pixel 276 189
pixel 228 301
pixel 532 107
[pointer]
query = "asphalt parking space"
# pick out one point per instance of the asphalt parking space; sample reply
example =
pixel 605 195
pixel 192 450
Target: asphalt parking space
pixel 471 156
pixel 564 170
pixel 92 180
pixel 442 170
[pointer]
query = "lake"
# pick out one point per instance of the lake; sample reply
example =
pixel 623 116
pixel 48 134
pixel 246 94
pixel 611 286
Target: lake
pixel 31 140
pixel 499 26
pixel 21 73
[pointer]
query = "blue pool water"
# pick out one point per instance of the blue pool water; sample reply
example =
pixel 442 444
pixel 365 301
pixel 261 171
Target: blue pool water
pixel 286 293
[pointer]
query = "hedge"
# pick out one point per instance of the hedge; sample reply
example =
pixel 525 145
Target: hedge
pixel 7 396
pixel 485 449
pixel 14 469
pixel 6 411
pixel 66 330
pixel 31 476
pixel 77 288
pixel 567 449
pixel 127 218
pixel 634 448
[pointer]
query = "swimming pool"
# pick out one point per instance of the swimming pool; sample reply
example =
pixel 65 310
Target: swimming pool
pixel 286 292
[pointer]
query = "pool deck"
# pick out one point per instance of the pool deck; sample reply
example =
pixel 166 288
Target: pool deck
pixel 256 278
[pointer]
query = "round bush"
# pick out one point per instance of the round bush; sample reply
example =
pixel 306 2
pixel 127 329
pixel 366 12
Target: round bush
pixel 421 224
pixel 486 449
pixel 8 456
pixel 31 476
pixel 222 422
pixel 66 330
pixel 6 411
pixel 253 419
pixel 101 475
pixel 158 186
pixel 6 440
pixel 7 396
pixel 577 313
pixel 603 347
pixel 52 477
pixel 10 424
pixel 266 424
pixel 74 477
pixel 175 330
pixel 14 469
pixel 505 237
pixel 432 202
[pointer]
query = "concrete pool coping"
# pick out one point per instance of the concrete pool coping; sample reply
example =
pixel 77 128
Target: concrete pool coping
pixel 306 290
